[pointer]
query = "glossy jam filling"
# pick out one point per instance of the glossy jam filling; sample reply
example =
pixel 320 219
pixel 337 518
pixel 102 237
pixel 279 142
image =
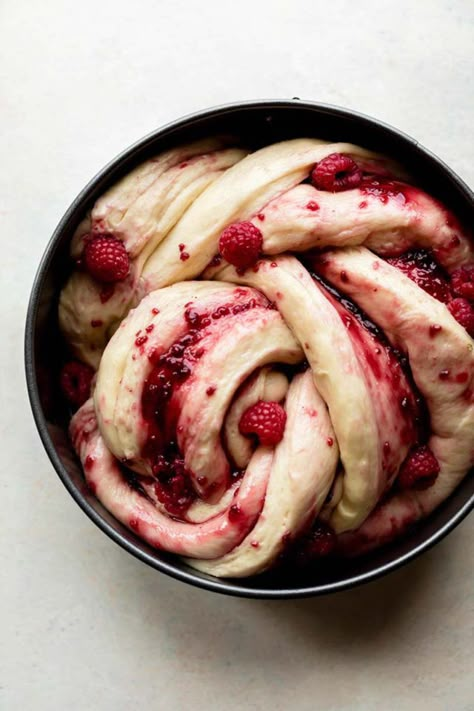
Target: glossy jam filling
pixel 384 362
pixel 420 266
pixel 384 189
pixel 160 408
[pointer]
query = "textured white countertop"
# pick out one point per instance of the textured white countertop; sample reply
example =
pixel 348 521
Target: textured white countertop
pixel 84 625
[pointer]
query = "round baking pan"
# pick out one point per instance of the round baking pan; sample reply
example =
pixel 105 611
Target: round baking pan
pixel 255 124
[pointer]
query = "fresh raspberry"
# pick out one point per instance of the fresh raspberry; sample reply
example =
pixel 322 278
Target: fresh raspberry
pixel 75 380
pixel 320 542
pixel 463 312
pixel 335 173
pixel 421 268
pixel 106 259
pixel 266 420
pixel 419 470
pixel 240 244
pixel 462 282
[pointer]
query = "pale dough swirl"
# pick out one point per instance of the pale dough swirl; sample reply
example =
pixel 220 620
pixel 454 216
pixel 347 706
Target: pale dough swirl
pixel 275 332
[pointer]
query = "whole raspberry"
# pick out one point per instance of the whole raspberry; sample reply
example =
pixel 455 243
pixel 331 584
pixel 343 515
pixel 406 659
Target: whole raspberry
pixel 419 470
pixel 463 312
pixel 266 420
pixel 462 282
pixel 319 542
pixel 322 540
pixel 75 380
pixel 335 173
pixel 106 259
pixel 240 244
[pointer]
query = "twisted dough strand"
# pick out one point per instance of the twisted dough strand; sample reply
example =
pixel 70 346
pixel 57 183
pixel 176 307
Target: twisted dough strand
pixel 355 404
pixel 406 313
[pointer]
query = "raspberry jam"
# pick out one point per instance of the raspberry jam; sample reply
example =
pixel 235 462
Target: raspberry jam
pixel 383 365
pixel 384 190
pixel 160 404
pixel 421 268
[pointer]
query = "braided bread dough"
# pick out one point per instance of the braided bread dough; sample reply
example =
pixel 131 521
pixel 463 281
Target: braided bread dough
pixel 351 415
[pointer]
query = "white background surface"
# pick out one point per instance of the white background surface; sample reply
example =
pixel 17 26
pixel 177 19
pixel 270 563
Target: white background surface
pixel 85 626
